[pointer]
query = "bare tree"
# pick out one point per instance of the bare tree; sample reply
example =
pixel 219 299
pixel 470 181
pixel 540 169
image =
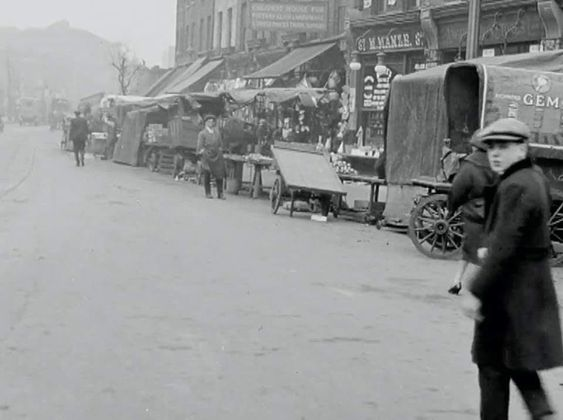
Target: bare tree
pixel 126 65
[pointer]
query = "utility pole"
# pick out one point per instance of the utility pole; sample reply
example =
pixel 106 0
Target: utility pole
pixel 473 29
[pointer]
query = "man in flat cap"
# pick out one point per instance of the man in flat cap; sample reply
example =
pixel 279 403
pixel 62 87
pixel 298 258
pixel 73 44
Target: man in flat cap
pixel 210 150
pixel 512 298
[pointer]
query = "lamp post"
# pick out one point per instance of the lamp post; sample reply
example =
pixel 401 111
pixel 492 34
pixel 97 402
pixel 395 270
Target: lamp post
pixel 355 67
pixel 473 29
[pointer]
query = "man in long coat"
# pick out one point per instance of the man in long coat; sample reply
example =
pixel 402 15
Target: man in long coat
pixel 512 298
pixel 210 150
pixel 78 135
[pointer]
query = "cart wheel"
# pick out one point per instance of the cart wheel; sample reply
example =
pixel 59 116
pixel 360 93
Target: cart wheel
pixel 433 231
pixel 555 224
pixel 276 195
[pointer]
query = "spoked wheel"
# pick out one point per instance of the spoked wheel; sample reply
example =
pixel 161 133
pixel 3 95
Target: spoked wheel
pixel 276 195
pixel 555 224
pixel 433 231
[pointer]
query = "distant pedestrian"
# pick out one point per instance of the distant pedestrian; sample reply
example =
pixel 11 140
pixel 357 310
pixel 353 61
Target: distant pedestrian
pixel 78 135
pixel 210 150
pixel 512 298
pixel 468 192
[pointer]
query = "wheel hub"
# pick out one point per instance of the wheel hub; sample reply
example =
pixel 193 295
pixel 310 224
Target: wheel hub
pixel 441 227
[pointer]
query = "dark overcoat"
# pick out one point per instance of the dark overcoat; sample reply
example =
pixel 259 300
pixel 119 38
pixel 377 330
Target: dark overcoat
pixel 78 130
pixel 210 148
pixel 521 326
pixel 474 178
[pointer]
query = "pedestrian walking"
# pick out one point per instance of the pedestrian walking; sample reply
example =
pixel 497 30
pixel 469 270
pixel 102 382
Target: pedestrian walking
pixel 210 150
pixel 512 298
pixel 78 135
pixel 468 192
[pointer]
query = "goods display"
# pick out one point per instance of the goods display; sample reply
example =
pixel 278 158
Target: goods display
pixel 342 167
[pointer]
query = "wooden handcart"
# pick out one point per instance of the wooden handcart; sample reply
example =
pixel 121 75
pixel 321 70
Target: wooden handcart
pixel 305 175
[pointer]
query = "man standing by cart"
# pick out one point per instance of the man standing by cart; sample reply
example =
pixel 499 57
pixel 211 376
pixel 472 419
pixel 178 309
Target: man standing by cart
pixel 512 298
pixel 78 135
pixel 210 150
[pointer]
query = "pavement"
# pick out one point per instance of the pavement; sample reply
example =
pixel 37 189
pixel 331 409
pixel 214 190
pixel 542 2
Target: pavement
pixel 128 296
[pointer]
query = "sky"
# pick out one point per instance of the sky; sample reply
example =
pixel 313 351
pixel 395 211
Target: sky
pixel 146 26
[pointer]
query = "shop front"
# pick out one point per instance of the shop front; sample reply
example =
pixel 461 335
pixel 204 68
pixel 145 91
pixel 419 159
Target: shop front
pixel 384 53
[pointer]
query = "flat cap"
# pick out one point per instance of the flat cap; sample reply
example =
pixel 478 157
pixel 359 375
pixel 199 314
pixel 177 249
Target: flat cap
pixel 209 117
pixel 506 129
pixel 477 141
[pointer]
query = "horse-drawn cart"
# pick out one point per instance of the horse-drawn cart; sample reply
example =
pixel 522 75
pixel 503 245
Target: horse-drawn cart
pixel 305 175
pixel 475 96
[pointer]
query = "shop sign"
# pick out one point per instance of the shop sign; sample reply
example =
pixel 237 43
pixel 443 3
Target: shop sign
pixel 398 40
pixel 375 88
pixel 289 16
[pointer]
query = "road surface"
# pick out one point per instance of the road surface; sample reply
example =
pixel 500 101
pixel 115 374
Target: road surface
pixel 126 295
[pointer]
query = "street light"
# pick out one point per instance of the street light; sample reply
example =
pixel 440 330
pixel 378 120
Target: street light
pixel 355 64
pixel 380 67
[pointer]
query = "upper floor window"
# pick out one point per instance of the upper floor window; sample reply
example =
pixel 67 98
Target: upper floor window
pixel 412 4
pixel 229 26
pixel 220 30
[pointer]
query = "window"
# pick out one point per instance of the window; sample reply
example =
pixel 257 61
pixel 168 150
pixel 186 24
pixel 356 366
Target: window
pixel 341 19
pixel 187 39
pixel 209 33
pixel 243 12
pixel 220 30
pixel 412 4
pixel 200 40
pixel 229 25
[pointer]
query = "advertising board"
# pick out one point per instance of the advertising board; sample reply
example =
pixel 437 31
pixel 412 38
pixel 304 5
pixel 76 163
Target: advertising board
pixel 289 16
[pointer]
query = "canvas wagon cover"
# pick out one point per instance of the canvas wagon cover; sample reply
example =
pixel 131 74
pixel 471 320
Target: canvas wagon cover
pixel 127 148
pixel 417 121
pixel 533 97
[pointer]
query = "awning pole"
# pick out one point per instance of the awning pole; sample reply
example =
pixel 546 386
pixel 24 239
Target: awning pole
pixel 473 29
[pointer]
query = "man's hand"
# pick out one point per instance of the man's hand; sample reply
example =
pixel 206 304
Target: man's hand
pixel 471 307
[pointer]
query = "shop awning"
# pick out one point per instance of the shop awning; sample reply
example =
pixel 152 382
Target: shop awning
pixel 183 85
pixel 163 81
pixel 294 59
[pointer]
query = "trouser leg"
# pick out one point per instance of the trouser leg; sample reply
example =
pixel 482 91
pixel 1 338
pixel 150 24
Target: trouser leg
pixel 207 182
pixel 82 147
pixel 219 182
pixel 76 150
pixel 533 394
pixel 494 383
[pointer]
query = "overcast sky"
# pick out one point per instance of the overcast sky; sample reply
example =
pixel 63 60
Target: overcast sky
pixel 147 26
